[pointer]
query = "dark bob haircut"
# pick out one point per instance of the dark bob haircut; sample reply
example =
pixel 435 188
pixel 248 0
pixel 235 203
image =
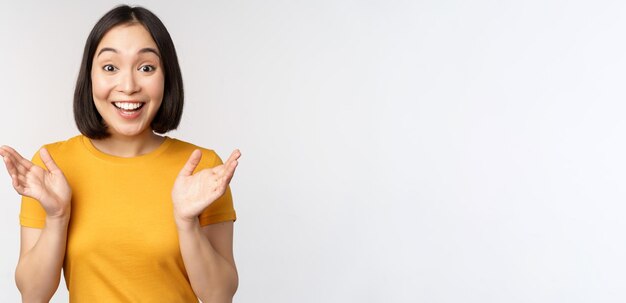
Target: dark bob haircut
pixel 88 120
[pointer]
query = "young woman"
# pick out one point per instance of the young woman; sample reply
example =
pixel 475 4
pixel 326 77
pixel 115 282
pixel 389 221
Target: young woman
pixel 130 216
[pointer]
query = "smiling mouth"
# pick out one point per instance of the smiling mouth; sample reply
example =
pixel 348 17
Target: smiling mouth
pixel 129 106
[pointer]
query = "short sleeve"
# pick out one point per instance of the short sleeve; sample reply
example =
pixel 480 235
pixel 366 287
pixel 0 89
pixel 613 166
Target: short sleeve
pixel 32 213
pixel 221 209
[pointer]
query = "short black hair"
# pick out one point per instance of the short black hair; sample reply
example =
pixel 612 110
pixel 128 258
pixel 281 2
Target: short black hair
pixel 88 120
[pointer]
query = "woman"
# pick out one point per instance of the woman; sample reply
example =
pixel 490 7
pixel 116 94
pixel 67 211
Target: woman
pixel 129 215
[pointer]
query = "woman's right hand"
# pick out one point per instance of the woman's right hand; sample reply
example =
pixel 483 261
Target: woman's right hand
pixel 49 187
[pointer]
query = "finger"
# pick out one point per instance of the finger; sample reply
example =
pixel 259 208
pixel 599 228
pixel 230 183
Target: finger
pixel 14 182
pixel 18 183
pixel 191 164
pixel 9 150
pixel 15 166
pixel 8 162
pixel 229 172
pixel 233 156
pixel 233 166
pixel 221 170
pixel 17 157
pixel 47 160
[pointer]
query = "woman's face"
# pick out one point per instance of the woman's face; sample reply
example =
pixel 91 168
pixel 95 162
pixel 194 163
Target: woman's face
pixel 127 80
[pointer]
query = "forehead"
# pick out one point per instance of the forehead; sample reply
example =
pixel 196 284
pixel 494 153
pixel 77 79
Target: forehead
pixel 127 38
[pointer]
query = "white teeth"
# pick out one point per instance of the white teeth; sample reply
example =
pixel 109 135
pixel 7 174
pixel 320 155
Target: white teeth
pixel 128 105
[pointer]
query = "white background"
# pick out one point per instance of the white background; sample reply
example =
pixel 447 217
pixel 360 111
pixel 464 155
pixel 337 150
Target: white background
pixel 393 151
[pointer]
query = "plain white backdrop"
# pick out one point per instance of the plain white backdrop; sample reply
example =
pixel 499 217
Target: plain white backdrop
pixel 393 151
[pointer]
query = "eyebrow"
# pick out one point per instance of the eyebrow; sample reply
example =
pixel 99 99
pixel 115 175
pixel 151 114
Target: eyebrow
pixel 141 51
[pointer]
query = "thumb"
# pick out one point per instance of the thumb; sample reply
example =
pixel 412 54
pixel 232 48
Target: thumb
pixel 47 160
pixel 191 164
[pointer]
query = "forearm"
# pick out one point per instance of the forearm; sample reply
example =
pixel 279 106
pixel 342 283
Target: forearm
pixel 39 270
pixel 212 277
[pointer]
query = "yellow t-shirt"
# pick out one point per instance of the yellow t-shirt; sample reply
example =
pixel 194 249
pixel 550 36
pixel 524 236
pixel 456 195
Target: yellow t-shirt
pixel 122 243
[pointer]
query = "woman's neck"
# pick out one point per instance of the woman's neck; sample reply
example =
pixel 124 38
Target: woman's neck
pixel 129 146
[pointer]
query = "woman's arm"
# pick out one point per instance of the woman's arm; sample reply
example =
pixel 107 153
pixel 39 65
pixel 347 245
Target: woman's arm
pixel 207 251
pixel 41 251
pixel 41 258
pixel 208 256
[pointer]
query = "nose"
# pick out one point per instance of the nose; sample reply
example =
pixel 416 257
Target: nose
pixel 128 83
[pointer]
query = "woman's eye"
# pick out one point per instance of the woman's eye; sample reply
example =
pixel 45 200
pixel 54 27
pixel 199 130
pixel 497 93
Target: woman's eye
pixel 147 68
pixel 109 68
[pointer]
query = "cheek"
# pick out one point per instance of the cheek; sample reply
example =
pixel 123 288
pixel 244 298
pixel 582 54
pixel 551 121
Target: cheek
pixel 154 87
pixel 100 88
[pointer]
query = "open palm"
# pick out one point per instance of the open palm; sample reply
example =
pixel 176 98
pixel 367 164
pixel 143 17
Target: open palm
pixel 49 187
pixel 192 193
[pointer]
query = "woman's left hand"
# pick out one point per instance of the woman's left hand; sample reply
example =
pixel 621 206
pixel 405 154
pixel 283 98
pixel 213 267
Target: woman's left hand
pixel 192 193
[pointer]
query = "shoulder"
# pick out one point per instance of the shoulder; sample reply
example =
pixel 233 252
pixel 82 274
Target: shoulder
pixel 60 148
pixel 183 149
